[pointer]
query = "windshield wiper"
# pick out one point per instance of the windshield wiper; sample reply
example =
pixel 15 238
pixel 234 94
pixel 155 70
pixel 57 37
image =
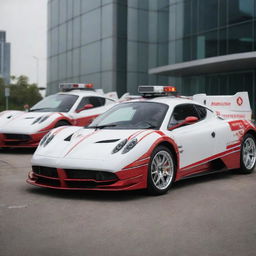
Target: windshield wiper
pixel 102 126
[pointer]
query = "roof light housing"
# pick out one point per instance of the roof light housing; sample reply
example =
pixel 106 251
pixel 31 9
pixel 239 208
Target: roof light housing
pixel 65 87
pixel 156 90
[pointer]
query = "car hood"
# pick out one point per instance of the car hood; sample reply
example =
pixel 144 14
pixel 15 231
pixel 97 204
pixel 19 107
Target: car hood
pixel 75 147
pixel 22 122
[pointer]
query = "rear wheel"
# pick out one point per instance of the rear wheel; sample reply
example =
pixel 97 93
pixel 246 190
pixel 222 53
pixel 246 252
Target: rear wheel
pixel 161 171
pixel 248 154
pixel 61 123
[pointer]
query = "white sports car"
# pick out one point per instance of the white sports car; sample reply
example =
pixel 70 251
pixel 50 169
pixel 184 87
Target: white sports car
pixel 147 143
pixel 78 104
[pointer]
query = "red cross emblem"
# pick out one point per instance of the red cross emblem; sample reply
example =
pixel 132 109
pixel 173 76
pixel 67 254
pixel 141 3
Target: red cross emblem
pixel 239 101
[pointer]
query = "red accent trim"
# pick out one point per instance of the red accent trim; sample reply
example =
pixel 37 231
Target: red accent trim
pixel 62 175
pixel 84 121
pixel 59 130
pixel 55 121
pixel 146 135
pixel 219 155
pixel 232 161
pixel 128 180
pixel 135 134
pixel 236 125
pixel 233 145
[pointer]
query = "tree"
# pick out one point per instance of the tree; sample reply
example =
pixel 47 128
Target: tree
pixel 21 93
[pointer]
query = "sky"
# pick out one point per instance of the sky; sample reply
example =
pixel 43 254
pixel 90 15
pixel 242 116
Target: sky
pixel 25 23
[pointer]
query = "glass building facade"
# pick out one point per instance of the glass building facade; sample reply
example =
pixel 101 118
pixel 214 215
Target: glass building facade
pixel 5 58
pixel 111 43
pixel 118 44
pixel 202 29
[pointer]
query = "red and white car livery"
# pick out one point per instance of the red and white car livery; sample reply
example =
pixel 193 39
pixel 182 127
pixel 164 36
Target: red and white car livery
pixel 147 143
pixel 227 106
pixel 77 104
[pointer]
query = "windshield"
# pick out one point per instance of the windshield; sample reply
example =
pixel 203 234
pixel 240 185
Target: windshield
pixel 55 103
pixel 132 115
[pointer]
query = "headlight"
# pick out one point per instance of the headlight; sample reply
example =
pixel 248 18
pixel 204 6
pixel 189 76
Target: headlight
pixel 46 139
pixel 119 146
pixel 42 141
pixel 130 145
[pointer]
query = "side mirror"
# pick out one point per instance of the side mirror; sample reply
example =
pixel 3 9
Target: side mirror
pixel 87 106
pixel 188 120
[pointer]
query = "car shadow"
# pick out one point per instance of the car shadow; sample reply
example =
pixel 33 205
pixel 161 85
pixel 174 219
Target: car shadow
pixel 17 151
pixel 227 174
pixel 92 195
pixel 124 195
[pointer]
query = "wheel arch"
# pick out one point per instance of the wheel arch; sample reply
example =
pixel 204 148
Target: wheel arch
pixel 64 120
pixel 171 147
pixel 252 132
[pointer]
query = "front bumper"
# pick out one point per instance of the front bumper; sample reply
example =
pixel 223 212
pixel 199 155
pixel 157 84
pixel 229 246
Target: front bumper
pixel 15 140
pixel 130 179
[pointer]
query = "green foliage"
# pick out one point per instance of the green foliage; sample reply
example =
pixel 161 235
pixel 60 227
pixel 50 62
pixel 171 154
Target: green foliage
pixel 21 93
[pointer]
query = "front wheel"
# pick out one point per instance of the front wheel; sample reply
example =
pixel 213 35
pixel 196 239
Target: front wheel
pixel 248 154
pixel 161 171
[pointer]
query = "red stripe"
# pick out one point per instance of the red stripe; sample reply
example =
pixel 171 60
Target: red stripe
pixel 233 145
pixel 60 129
pixel 135 134
pixel 209 159
pixel 145 135
pixel 80 142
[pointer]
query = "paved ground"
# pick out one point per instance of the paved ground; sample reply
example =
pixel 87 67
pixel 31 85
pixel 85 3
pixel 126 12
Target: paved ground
pixel 213 215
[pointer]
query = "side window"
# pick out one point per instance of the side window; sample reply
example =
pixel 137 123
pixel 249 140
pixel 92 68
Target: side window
pixel 84 101
pixel 180 113
pixel 202 112
pixel 97 101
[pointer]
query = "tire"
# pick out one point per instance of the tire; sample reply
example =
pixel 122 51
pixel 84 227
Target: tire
pixel 160 179
pixel 61 123
pixel 248 154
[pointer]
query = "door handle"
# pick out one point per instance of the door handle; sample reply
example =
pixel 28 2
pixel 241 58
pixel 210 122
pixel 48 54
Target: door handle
pixel 213 134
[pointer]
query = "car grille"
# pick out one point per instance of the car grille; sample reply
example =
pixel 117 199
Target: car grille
pixel 20 137
pixel 87 174
pixel 45 171
pixel 69 178
pixel 48 182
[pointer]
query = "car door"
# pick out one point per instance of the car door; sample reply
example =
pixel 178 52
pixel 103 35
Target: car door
pixel 195 141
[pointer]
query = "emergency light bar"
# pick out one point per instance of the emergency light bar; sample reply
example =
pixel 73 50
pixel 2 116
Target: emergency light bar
pixel 74 86
pixel 156 90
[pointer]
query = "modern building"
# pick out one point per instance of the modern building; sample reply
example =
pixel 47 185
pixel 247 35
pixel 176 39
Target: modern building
pixel 111 43
pixel 5 57
pixel 198 45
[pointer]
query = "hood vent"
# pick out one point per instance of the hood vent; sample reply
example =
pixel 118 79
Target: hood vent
pixel 69 137
pixel 107 141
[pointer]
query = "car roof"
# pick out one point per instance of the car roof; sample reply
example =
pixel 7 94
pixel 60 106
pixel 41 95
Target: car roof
pixel 171 101
pixel 83 93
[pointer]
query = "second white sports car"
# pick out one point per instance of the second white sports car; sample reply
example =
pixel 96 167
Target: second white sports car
pixel 77 104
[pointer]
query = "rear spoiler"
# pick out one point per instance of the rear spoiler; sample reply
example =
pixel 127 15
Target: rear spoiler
pixel 112 95
pixel 227 106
